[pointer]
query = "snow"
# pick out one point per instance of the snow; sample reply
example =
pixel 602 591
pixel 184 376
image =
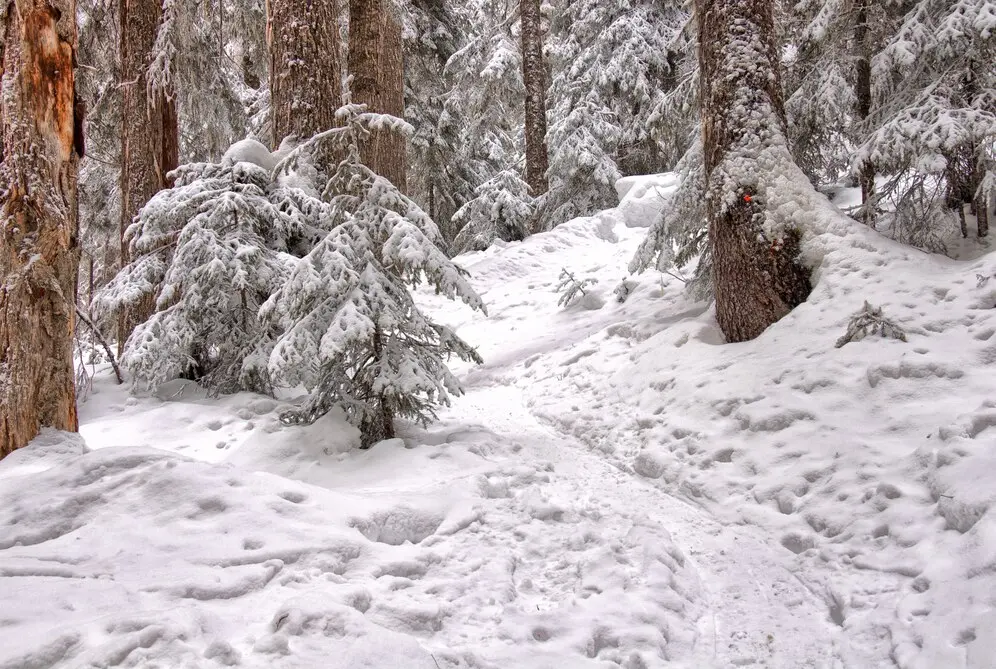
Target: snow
pixel 618 488
pixel 252 151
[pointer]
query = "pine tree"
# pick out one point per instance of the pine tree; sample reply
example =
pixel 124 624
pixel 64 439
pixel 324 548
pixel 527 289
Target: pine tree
pixel 41 142
pixel 352 333
pixel 501 209
pixel 433 31
pixel 211 56
pixel 205 60
pixel 828 86
pixel 620 99
pixel 485 105
pixel 757 278
pixel 934 122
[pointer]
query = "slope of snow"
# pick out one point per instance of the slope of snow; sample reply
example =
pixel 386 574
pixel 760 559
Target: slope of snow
pixel 618 488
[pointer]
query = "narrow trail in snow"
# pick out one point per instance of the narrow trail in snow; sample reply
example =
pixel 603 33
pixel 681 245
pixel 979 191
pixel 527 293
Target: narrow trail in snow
pixel 752 610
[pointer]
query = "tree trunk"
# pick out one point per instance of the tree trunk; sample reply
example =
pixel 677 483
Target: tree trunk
pixel 38 245
pixel 756 280
pixel 863 94
pixel 378 423
pixel 377 66
pixel 534 77
pixel 149 136
pixel 305 67
pixel 982 217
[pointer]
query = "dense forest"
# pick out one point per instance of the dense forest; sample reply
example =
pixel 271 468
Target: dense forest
pixel 245 193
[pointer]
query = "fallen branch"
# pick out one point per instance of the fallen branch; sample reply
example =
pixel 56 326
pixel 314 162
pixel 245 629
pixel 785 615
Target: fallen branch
pixel 103 342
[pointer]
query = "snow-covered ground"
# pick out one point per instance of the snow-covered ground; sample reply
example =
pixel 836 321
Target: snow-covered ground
pixel 617 489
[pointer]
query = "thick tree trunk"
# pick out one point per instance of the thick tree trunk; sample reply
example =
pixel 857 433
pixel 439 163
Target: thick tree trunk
pixel 305 66
pixel 38 246
pixel 149 135
pixel 534 77
pixel 863 94
pixel 377 66
pixel 756 280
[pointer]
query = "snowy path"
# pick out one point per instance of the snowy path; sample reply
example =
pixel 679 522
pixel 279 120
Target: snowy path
pixel 749 608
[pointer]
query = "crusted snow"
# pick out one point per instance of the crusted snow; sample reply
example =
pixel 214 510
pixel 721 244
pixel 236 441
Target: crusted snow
pixel 618 488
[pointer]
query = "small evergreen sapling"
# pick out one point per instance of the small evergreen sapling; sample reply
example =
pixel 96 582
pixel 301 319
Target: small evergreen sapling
pixel 570 288
pixel 351 332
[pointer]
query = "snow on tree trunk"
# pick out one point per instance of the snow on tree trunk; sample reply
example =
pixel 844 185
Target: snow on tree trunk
pixel 38 249
pixel 377 66
pixel 863 95
pixel 149 137
pixel 305 66
pixel 534 78
pixel 756 277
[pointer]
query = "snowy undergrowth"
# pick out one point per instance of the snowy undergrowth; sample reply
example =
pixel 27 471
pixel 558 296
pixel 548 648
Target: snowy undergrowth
pixel 616 489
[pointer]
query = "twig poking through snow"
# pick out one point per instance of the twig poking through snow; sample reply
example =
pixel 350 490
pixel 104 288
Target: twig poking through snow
pixel 870 321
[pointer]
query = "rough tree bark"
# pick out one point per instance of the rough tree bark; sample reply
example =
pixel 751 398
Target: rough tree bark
pixel 305 66
pixel 534 78
pixel 377 66
pixel 756 280
pixel 38 246
pixel 149 134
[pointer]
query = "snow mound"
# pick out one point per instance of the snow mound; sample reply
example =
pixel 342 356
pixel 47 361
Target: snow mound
pixel 250 151
pixel 642 198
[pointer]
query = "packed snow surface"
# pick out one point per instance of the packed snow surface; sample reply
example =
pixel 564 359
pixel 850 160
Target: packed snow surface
pixel 618 488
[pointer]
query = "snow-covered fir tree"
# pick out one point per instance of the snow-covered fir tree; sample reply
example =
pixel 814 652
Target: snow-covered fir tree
pixel 616 68
pixel 501 209
pixel 934 124
pixel 433 32
pixel 351 332
pixel 829 45
pixel 212 55
pixel 210 251
pixel 486 95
